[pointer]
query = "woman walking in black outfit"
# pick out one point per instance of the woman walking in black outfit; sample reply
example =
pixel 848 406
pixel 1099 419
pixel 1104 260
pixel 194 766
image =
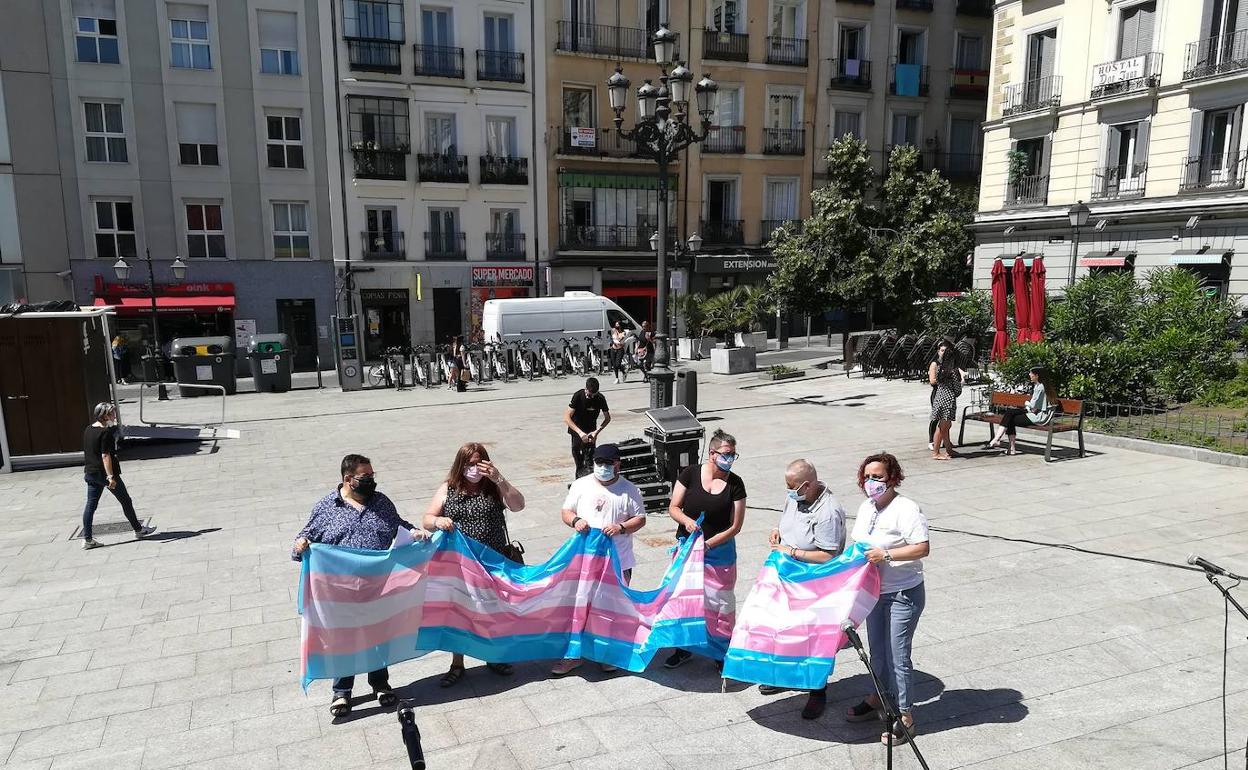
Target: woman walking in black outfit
pixel 102 470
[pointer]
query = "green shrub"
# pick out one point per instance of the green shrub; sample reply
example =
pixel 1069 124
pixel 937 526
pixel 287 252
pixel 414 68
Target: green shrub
pixel 1106 371
pixel 1094 309
pixel 967 316
pixel 1232 392
pixel 1189 363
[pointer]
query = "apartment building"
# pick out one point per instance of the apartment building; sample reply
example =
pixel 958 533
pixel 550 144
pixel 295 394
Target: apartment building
pixel 906 72
pixel 176 129
pixel 1132 108
pixel 434 108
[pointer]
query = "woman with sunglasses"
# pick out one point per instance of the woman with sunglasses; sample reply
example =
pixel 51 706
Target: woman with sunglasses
pixel 711 490
pixel 895 530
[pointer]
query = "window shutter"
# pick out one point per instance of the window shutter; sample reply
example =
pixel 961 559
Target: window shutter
pixel 1147 15
pixel 95 9
pixel 1141 144
pixel 1129 33
pixel 1113 146
pixel 277 29
pixel 197 123
pixel 188 12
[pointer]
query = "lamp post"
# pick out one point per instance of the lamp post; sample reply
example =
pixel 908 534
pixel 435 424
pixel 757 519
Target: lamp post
pixel 661 136
pixel 179 272
pixel 693 244
pixel 1078 214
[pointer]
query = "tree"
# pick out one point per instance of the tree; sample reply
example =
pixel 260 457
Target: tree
pixel 904 246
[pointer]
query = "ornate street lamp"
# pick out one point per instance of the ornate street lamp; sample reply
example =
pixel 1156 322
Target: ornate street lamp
pixel 1078 214
pixel 662 136
pixel 178 268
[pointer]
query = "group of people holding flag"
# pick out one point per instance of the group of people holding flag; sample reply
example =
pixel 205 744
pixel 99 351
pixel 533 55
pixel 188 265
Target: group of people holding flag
pixel 390 590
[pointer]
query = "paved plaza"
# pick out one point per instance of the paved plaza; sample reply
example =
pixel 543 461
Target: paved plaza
pixel 183 651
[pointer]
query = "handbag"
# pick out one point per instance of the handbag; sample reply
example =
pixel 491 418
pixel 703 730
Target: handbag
pixel 465 375
pixel 513 550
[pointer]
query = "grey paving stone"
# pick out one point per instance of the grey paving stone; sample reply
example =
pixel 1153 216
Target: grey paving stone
pixel 332 752
pixel 199 745
pixel 61 739
pixel 80 682
pixel 117 701
pixel 134 728
pixel 101 758
pixel 231 707
pixel 553 744
pixel 273 730
pixel 52 665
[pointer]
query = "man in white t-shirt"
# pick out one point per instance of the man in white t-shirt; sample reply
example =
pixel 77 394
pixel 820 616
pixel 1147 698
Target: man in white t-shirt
pixel 604 500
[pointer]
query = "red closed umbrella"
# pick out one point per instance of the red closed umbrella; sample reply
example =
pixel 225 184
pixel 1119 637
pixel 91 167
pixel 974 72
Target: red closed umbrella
pixel 1022 300
pixel 1037 301
pixel 1001 339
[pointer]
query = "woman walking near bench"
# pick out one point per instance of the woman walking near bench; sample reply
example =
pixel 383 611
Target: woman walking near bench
pixel 946 379
pixel 1039 410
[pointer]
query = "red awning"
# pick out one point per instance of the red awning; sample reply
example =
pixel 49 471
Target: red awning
pixel 207 303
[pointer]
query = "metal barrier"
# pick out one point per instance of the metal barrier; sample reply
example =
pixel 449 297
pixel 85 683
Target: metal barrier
pixel 217 388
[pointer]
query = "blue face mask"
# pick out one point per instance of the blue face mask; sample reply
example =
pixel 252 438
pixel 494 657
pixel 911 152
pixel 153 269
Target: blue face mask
pixel 724 462
pixel 604 472
pixel 794 495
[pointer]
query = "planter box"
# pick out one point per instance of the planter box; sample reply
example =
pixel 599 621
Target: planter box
pixel 694 348
pixel 785 375
pixel 756 340
pixel 733 360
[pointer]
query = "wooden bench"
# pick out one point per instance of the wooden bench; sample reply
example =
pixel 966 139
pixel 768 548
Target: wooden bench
pixel 1068 416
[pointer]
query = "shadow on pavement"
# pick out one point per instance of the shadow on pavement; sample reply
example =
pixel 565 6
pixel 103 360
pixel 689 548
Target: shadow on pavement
pixel 158 450
pixel 170 536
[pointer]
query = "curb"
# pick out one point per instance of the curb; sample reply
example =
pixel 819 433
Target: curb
pixel 1198 454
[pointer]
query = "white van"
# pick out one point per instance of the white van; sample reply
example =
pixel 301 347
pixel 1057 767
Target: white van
pixel 577 314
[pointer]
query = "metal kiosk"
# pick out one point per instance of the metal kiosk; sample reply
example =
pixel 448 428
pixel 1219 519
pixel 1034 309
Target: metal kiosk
pixel 204 361
pixel 349 349
pixel 677 439
pixel 270 356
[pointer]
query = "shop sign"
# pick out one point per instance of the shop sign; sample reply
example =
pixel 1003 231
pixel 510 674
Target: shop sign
pixel 521 275
pixel 737 263
pixel 583 137
pixel 165 289
pixel 384 295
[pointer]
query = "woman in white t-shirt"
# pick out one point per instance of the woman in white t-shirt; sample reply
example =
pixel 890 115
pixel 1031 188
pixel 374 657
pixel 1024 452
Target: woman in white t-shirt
pixel 895 531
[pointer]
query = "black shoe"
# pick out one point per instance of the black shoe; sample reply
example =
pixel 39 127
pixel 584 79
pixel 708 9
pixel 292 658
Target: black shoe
pixel 815 704
pixel 767 689
pixel 677 659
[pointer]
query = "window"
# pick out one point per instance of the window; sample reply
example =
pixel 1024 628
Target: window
pixel 1041 54
pixel 847 123
pixel 853 42
pixel 724 15
pixel 504 221
pixel 285 141
pixel 377 123
pixel 970 53
pixel 114 229
pixel 96 31
pixel 444 240
pixel 290 231
pixel 440 135
pixel 188 37
pixel 106 138
pixel 205 234
pixel 910 46
pixel 1135 34
pixel 500 137
pixel 197 134
pixel 578 107
pixel 905 129
pixel 728 109
pixel 1126 157
pixel 784 110
pixel 279 42
pixel 372 19
pixel 721 200
pixel 780 200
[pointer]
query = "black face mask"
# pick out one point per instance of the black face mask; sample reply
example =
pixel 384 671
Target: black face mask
pixel 365 486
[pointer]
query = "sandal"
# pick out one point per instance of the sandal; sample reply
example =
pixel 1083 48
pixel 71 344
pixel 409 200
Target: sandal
pixel 450 678
pixel 502 669
pixel 863 712
pixel 340 706
pixel 386 698
pixel 898 734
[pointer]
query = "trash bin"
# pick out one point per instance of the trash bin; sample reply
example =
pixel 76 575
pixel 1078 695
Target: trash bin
pixel 687 389
pixel 271 357
pixel 204 361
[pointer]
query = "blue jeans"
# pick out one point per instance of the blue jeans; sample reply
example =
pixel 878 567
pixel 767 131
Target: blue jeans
pixel 96 484
pixel 378 680
pixel 890 631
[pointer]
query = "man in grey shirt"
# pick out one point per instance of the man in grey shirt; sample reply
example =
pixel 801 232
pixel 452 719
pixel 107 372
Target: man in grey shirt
pixel 812 529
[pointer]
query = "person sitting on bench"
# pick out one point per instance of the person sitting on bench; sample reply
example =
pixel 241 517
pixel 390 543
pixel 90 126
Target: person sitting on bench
pixel 1039 410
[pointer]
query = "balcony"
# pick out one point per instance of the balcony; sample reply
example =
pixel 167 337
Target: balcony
pixel 1028 191
pixel 725 46
pixel 724 140
pixel 445 245
pixel 439 61
pixel 496 169
pixel 906 79
pixel 382 245
pixel 596 143
pixel 784 141
pixel 851 74
pixel 1115 182
pixel 625 42
pixel 968 84
pixel 442 168
pixel 914 5
pixel 787 50
pixel 574 237
pixel 1213 172
pixel 960 166
pixel 981 8
pixel 505 246
pixel 1126 76
pixel 1213 56
pixel 726 232
pixel 500 66
pixel 768 226
pixel 1032 96
pixel 371 55
pixel 373 163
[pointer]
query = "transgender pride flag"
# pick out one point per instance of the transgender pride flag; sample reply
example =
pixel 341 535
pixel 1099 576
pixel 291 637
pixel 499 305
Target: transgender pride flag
pixel 366 609
pixel 789 629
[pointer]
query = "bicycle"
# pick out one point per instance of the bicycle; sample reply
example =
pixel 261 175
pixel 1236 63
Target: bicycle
pixel 593 357
pixel 548 360
pixel 571 360
pixel 526 363
pixel 497 362
pixel 420 376
pixel 473 363
pixel 389 371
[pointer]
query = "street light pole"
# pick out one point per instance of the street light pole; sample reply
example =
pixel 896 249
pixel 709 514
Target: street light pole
pixel 1078 215
pixel 179 272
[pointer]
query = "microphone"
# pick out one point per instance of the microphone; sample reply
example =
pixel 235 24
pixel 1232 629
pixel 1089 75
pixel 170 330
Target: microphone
pixel 411 739
pixel 1210 567
pixel 851 634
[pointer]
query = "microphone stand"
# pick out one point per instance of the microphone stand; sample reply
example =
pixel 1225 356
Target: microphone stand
pixel 1226 593
pixel 890 711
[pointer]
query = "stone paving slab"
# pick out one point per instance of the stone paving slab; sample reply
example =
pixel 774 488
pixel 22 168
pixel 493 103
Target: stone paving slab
pixel 182 651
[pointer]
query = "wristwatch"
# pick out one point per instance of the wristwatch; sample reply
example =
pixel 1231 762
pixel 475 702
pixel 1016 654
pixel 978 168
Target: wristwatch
pixel 888 557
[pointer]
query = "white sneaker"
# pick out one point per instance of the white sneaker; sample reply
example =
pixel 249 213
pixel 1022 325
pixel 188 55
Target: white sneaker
pixel 929 445
pixel 89 543
pixel 142 533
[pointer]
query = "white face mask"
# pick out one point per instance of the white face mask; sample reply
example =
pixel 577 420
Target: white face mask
pixel 604 472
pixel 472 474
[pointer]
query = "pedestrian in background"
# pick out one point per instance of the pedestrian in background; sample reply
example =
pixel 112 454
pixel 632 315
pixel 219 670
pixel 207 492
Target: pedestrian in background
pixel 102 470
pixel 645 350
pixel 581 417
pixel 619 338
pixel 121 359
pixel 1039 410
pixel 455 357
pixel 946 377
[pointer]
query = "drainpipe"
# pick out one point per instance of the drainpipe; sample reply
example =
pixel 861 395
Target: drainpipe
pixel 533 144
pixel 342 169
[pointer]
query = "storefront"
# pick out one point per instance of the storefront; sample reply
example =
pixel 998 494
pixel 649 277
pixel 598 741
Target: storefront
pixel 203 309
pixel 489 283
pixel 714 273
pixel 386 319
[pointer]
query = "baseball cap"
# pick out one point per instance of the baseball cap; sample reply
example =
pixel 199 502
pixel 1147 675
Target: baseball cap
pixel 609 452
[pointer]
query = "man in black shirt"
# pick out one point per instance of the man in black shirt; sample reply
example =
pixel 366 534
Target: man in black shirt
pixel 582 421
pixel 102 470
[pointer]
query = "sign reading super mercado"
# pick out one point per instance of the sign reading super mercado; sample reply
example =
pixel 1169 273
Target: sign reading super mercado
pixel 735 263
pixel 1119 71
pixel 521 275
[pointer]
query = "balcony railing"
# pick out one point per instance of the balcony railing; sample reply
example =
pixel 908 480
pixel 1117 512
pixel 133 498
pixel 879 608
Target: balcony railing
pixel 1032 96
pixel 441 168
pixel 1119 181
pixel 905 79
pixel 1028 191
pixel 505 246
pixel 379 164
pixel 787 50
pixel 725 46
pixel 596 143
pixel 915 5
pixel 1125 76
pixel 1214 171
pixel 626 42
pixel 1220 55
pixel 968 83
pixel 768 226
pixel 500 66
pixel 960 166
pixel 370 55
pixel 439 61
pixel 496 169
pixel 853 74
pixel 784 141
pixel 445 245
pixel 728 232
pixel 975 8
pixel 383 245
pixel 724 140
pixel 608 237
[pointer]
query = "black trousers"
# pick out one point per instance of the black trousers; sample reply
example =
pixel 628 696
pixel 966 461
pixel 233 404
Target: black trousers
pixel 378 680
pixel 1013 417
pixel 582 456
pixel 617 362
pixel 931 426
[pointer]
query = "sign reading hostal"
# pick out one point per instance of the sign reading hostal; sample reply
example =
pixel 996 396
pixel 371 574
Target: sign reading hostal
pixel 1119 71
pixel 736 263
pixel 520 275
